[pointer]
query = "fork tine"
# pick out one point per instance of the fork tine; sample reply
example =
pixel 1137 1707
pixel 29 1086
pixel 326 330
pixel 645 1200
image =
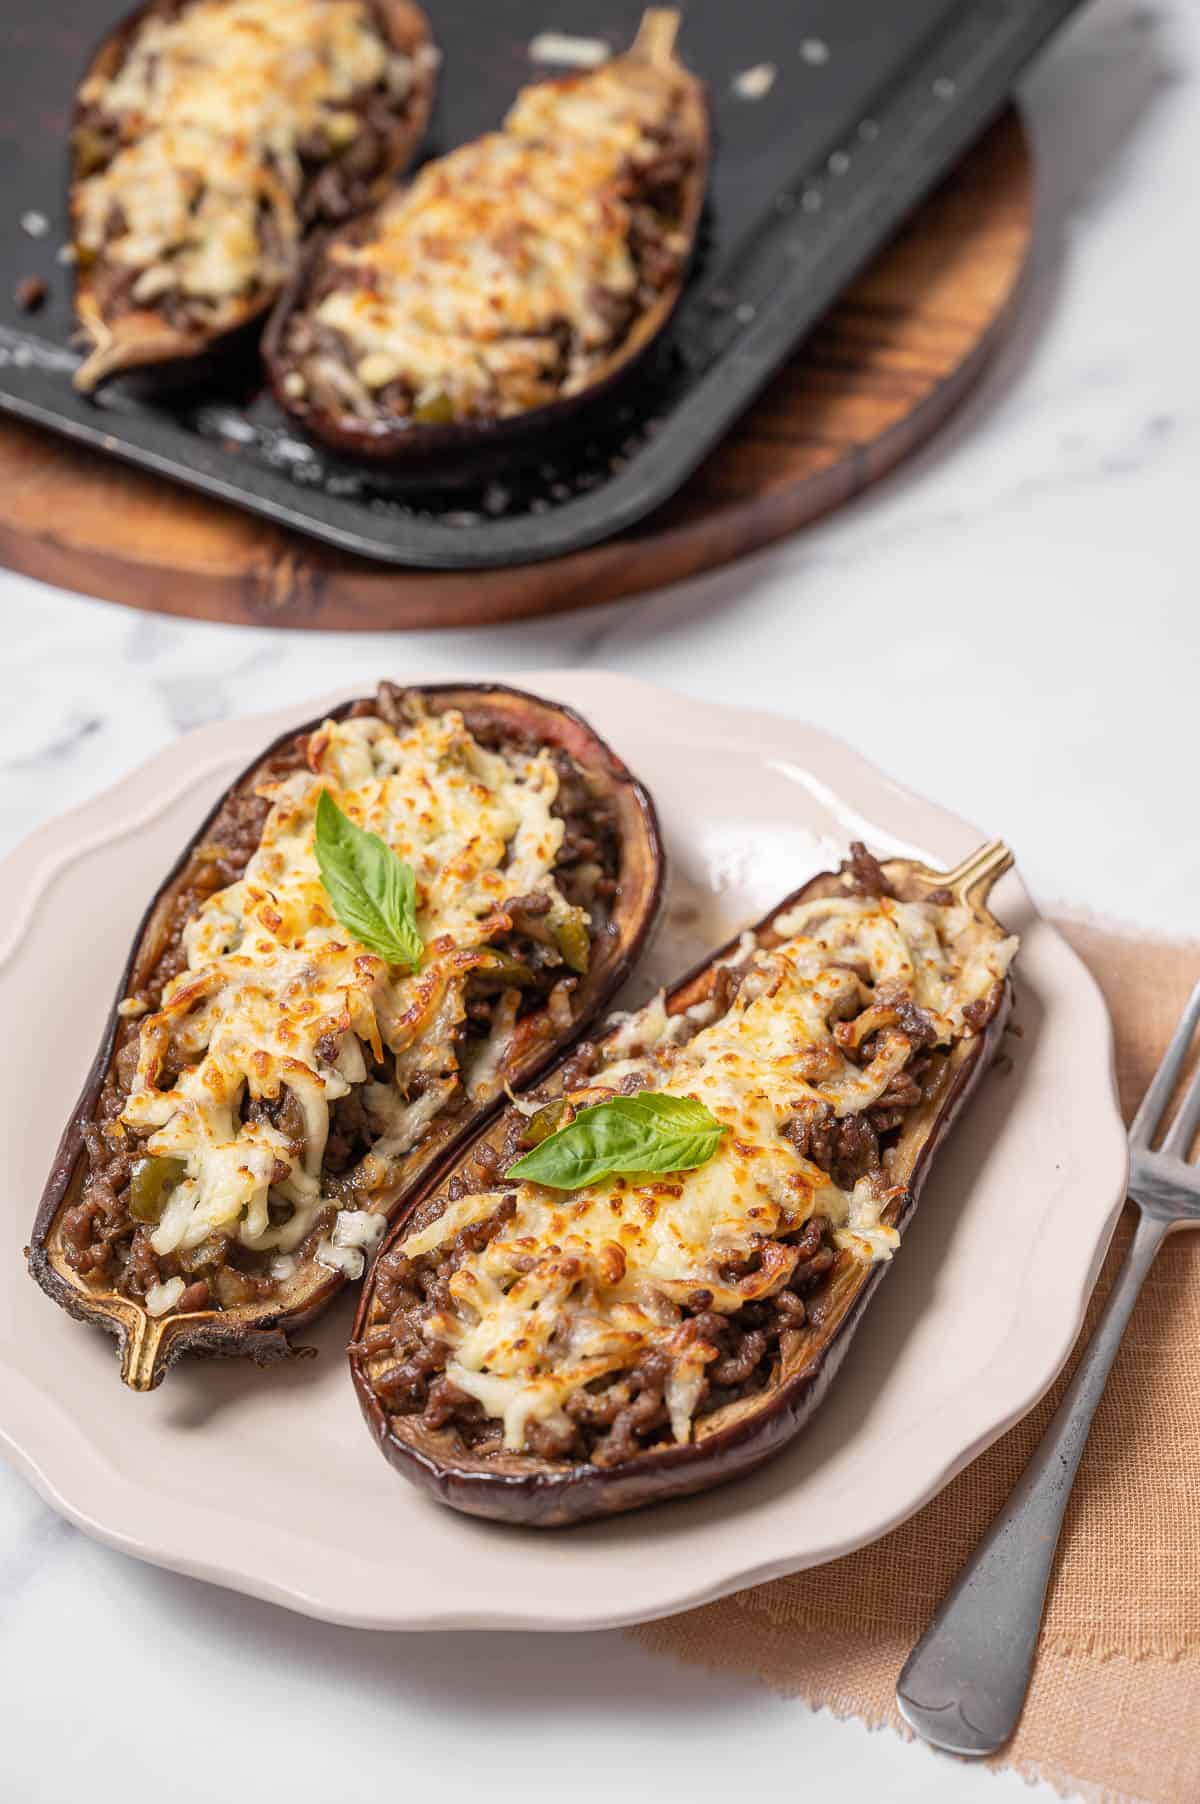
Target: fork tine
pixel 1187 1117
pixel 1167 1076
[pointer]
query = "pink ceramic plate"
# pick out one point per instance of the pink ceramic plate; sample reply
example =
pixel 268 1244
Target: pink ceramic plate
pixel 267 1480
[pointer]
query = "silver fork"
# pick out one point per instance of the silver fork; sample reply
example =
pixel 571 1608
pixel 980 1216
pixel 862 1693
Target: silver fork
pixel 964 1683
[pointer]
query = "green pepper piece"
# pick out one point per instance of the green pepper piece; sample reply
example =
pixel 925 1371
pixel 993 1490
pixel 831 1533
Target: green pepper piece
pixel 505 969
pixel 573 939
pixel 437 411
pixel 152 1182
pixel 547 1121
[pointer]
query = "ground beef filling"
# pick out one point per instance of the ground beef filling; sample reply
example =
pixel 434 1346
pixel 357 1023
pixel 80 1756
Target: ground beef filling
pixel 336 183
pixel 102 1240
pixel 616 1419
pixel 658 193
pixel 627 1414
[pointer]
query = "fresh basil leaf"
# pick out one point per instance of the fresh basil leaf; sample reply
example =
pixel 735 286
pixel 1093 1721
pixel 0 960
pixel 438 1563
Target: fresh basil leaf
pixel 373 893
pixel 645 1132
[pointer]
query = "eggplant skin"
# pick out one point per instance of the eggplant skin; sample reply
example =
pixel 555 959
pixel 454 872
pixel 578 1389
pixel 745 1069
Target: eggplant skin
pixel 145 339
pixel 483 443
pixel 149 1346
pixel 533 1493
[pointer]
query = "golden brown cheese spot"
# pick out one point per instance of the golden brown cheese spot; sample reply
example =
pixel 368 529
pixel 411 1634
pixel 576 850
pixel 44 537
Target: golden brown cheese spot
pixel 615 1265
pixel 472 272
pixel 216 104
pixel 256 1011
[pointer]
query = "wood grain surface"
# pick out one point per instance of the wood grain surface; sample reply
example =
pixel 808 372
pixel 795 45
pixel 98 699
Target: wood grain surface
pixel 872 382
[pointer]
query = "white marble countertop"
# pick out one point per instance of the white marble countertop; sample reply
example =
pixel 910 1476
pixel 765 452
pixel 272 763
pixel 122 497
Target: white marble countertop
pixel 1013 611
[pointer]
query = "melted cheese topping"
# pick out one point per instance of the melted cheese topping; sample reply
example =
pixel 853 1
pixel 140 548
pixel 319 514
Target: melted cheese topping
pixel 473 273
pixel 580 1285
pixel 276 993
pixel 216 105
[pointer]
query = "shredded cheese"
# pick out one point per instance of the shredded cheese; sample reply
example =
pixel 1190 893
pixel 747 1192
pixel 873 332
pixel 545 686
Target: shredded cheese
pixel 755 83
pixel 569 51
pixel 216 106
pixel 162 1298
pixel 276 994
pixel 471 274
pixel 576 1286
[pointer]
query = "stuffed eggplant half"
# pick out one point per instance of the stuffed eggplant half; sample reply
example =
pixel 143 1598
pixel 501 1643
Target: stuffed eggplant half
pixel 641 1279
pixel 396 913
pixel 209 135
pixel 513 278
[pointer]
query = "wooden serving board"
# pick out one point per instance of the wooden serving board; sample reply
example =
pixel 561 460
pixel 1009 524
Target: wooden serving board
pixel 875 379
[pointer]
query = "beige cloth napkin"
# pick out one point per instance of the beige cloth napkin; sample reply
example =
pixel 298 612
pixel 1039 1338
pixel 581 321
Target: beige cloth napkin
pixel 1114 1709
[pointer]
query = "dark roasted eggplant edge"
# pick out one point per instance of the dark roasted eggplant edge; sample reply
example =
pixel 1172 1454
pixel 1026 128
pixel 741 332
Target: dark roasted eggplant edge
pixel 531 1492
pixel 400 442
pixel 173 354
pixel 148 1346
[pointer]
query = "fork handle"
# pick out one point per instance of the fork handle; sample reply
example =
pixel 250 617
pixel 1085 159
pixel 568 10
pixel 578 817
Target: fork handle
pixel 963 1685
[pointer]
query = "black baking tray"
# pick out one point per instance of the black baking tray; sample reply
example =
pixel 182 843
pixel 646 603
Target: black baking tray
pixel 872 101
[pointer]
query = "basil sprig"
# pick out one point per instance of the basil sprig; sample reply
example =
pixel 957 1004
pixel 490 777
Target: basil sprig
pixel 373 893
pixel 645 1132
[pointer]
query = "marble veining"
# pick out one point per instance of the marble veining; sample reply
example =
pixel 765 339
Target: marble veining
pixel 1008 623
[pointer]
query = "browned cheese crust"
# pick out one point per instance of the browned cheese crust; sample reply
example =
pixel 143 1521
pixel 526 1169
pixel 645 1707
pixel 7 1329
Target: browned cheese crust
pixel 514 278
pixel 209 137
pixel 547 957
pixel 754 1368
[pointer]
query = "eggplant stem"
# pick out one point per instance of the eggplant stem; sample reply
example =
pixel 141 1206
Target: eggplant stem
pixel 113 355
pixel 974 877
pixel 140 1353
pixel 655 40
pixel 137 339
